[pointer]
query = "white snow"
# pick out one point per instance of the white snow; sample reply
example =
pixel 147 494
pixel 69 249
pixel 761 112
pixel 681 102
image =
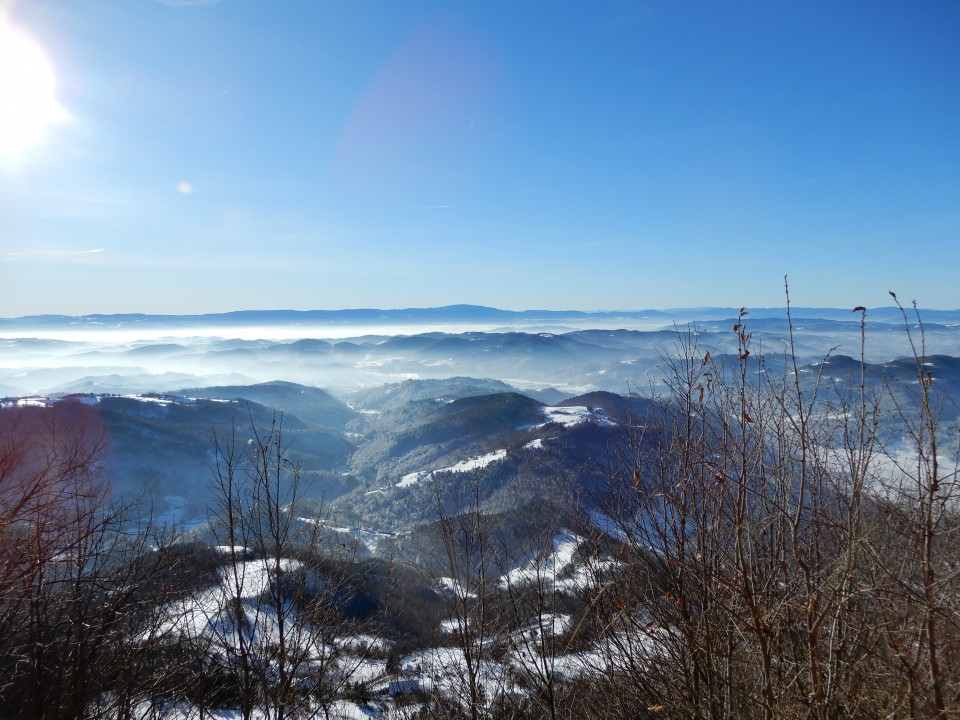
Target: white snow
pixel 450 626
pixel 608 526
pixel 162 401
pixel 550 623
pixel 232 549
pixel 444 668
pixel 368 538
pixel 446 586
pixel 31 402
pixel 205 614
pixel 548 568
pixel 372 642
pixel 413 478
pixel 568 416
pixel 26 402
pixel 474 463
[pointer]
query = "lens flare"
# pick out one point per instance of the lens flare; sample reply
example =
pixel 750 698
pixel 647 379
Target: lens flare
pixel 28 105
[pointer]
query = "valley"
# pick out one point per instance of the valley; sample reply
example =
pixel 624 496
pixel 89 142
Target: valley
pixel 352 528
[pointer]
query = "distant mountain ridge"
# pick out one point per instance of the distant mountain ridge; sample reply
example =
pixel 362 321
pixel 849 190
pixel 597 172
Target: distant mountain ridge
pixel 449 313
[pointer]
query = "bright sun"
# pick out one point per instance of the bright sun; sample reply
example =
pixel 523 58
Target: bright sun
pixel 27 84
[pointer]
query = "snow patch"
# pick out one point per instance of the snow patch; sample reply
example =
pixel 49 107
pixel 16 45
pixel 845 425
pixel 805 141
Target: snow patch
pixel 450 627
pixel 474 463
pixel 569 416
pixel 550 567
pixel 163 401
pixel 448 586
pixel 32 402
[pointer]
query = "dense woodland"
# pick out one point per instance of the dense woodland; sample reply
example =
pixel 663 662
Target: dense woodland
pixel 756 547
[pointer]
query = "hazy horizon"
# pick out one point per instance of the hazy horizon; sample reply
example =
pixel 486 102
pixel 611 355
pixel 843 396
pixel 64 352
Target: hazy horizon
pixel 575 353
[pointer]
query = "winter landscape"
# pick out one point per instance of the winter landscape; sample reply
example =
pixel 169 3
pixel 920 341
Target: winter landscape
pixel 507 522
pixel 500 360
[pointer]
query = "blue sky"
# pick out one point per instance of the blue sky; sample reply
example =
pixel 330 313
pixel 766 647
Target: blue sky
pixel 246 154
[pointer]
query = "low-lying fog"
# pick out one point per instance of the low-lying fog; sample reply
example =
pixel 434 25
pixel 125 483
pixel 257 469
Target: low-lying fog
pixel 574 353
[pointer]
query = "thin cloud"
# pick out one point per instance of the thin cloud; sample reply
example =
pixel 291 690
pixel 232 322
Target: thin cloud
pixel 431 207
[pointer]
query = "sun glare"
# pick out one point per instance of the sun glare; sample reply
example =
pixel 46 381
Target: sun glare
pixel 27 85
